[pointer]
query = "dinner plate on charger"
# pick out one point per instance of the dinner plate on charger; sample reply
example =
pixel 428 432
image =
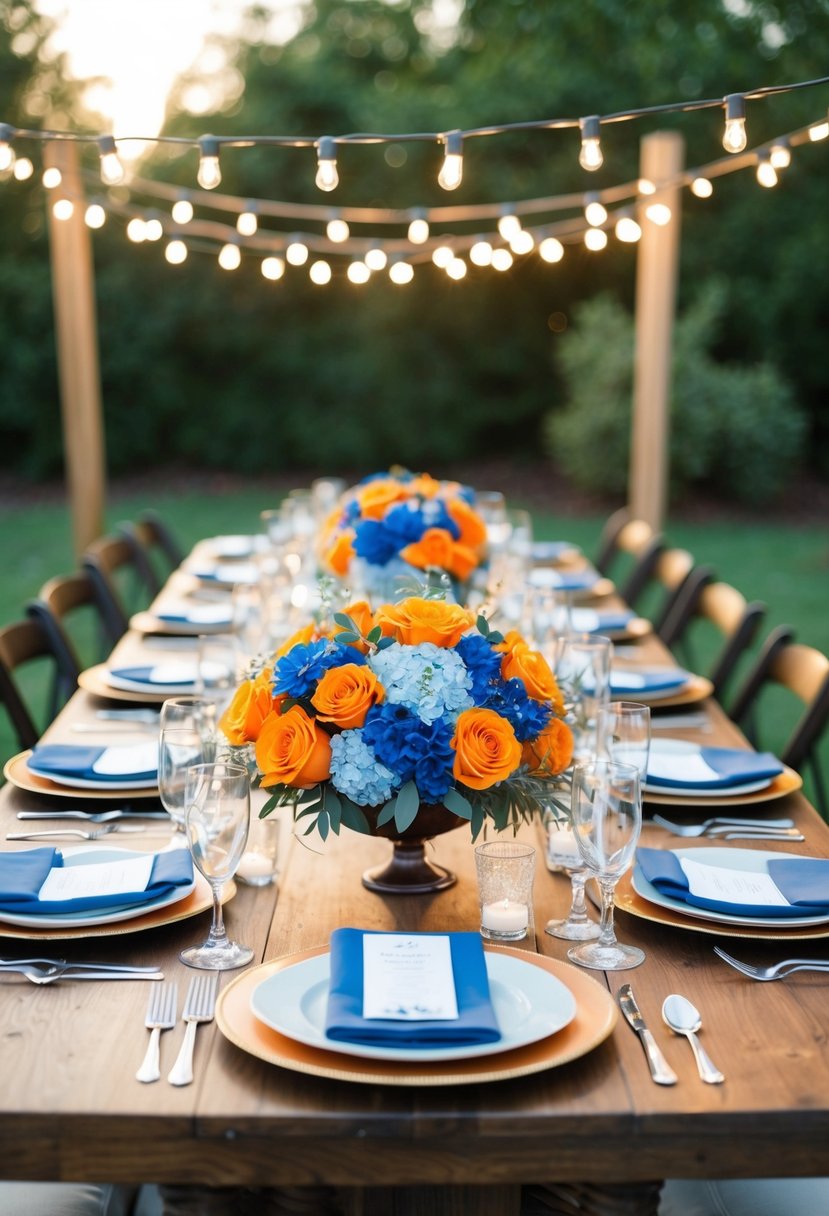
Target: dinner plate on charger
pixel 596 1015
pixel 529 1005
pixel 229 548
pixel 696 688
pixel 787 783
pixel 121 783
pixel 96 680
pixel 148 622
pixel 749 861
pixel 83 855
pixel 684 747
pixel 17 771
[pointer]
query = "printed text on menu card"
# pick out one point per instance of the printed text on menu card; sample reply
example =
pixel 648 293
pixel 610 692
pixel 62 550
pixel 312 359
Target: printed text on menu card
pixel 408 977
pixel 732 886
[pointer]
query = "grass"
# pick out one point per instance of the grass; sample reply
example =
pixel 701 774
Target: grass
pixel 786 565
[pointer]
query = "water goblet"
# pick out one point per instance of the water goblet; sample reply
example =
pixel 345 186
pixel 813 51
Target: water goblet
pixel 625 731
pixel 607 819
pixel 220 668
pixel 218 816
pixel 179 746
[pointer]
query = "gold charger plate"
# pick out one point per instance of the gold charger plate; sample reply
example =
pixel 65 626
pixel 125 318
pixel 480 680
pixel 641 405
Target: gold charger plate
pixel 628 900
pixel 199 900
pixel 595 1018
pixel 786 783
pixel 17 771
pixel 696 689
pixel 93 679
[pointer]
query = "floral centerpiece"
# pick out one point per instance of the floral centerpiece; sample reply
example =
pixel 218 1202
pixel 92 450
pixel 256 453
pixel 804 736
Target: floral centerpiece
pixel 404 720
pixel 393 526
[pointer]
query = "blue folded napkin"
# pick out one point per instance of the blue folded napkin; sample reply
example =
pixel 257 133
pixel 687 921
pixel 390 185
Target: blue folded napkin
pixel 586 620
pixel 803 881
pixel 647 681
pixel 67 760
pixel 552 550
pixel 22 874
pixel 194 617
pixel 344 1019
pixel 144 675
pixel 728 765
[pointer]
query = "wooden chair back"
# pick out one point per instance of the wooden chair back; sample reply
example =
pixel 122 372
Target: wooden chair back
pixel 123 580
pixel 154 544
pixel 634 539
pixel 69 612
pixel 21 643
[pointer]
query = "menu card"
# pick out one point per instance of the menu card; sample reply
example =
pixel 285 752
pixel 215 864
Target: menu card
pixel 408 977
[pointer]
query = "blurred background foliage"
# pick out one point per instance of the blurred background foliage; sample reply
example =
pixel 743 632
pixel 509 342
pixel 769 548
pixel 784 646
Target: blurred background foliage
pixel 218 370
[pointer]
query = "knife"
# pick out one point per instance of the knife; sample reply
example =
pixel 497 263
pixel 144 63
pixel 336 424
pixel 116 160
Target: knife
pixel 661 1070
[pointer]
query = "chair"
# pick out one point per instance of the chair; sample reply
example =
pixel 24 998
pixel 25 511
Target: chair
pixel 635 539
pixel 69 611
pixel 123 580
pixel 152 539
pixel 21 643
pixel 718 609
pixel 804 672
pixel 159 534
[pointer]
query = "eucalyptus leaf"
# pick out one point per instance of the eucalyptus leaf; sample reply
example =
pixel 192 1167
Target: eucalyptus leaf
pixel 387 813
pixel 323 824
pixel 407 804
pixel 347 622
pixel 455 801
pixel 354 818
pixel 346 638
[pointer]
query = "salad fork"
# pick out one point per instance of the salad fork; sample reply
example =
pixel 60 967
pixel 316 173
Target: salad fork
pixel 49 973
pixel 161 1015
pixel 776 971
pixel 199 1006
pixel 76 832
pixel 721 823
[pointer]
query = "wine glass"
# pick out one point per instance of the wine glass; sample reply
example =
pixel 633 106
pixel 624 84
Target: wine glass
pixel 218 815
pixel 220 668
pixel 607 819
pixel 626 734
pixel 187 735
pixel 582 669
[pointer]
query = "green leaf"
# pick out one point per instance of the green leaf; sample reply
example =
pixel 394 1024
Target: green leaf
pixel 384 642
pixel 342 618
pixel 270 805
pixel 387 813
pixel 314 808
pixel 354 818
pixel 346 638
pixel 407 804
pixel 456 802
pixel 496 638
pixel 478 820
pixel 374 635
pixel 483 625
pixel 323 825
pixel 333 808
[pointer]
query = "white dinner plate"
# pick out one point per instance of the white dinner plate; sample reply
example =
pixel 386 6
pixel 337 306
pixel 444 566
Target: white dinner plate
pixel 752 861
pixel 529 1004
pixel 182 675
pixel 684 747
pixel 619 692
pixel 82 855
pixel 88 783
pixel 230 548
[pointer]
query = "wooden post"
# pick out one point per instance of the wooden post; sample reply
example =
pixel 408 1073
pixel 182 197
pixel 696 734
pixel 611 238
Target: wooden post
pixel 73 295
pixel 656 276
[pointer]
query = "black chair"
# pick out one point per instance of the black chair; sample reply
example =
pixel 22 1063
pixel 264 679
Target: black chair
pixel 804 672
pixel 157 532
pixel 631 543
pixel 22 643
pixel 153 542
pixel 123 579
pixel 79 633
pixel 717 618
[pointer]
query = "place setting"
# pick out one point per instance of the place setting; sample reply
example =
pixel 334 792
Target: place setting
pixel 64 770
pixel 681 773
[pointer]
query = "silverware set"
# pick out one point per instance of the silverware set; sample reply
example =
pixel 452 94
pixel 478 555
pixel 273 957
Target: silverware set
pixel 683 1019
pixel 723 827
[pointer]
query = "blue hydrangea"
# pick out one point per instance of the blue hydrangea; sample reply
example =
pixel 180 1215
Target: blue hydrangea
pixel 482 662
pixel 356 771
pixel 430 680
pixel 527 717
pixel 415 750
pixel 299 671
pixel 379 540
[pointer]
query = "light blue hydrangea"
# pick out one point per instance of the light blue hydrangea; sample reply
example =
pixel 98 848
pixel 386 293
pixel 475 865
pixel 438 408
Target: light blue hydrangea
pixel 383 582
pixel 357 773
pixel 428 680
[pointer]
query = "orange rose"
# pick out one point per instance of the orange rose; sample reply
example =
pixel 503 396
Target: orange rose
pixel 293 750
pixel 473 528
pixel 527 665
pixel 424 485
pixel 345 694
pixel 464 560
pixel 552 751
pixel 376 497
pixel 252 702
pixel 338 556
pixel 414 621
pixel 486 749
pixel 433 549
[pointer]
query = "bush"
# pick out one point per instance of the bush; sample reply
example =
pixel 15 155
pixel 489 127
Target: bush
pixel 734 428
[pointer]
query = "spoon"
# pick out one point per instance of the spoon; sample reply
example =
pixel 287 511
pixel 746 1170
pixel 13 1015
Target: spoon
pixel 683 1018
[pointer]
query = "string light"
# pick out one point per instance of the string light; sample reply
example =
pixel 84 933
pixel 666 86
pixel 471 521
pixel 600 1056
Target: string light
pixel 175 252
pixel 501 259
pixel 734 136
pixel 230 256
pixel 509 225
pixel 659 214
pixel 52 178
pixel 63 209
pixel 23 169
pixel 766 172
pixel 451 172
pixel 551 250
pixel 590 156
pixel 523 242
pixel 594 212
pixel 595 239
pixel 95 216
pixel 112 171
pixel 327 176
pixel 401 273
pixel 182 211
pixel 418 231
pixel 136 230
pixel 818 131
pixel 337 231
pixel 645 186
pixel 481 254
pixel 627 229
pixel 247 223
pixel 456 269
pixel 320 273
pixel 7 153
pixel 273 268
pixel 780 155
pixel 442 256
pixel 702 187
pixel 376 258
pixel 296 253
pixel 358 272
pixel 209 175
pixel 153 230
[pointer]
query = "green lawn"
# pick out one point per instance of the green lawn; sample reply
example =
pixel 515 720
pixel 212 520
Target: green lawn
pixel 785 566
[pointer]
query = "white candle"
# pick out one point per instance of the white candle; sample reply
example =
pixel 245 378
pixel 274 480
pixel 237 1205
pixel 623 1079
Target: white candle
pixel 255 868
pixel 562 848
pixel 506 916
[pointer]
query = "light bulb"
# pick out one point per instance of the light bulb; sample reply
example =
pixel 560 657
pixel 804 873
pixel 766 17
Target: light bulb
pixel 590 156
pixel 376 258
pixel 627 229
pixel 766 172
pixel 645 186
pixel 230 257
pixel 297 253
pixel 7 156
pixel 63 209
pixel 358 272
pixel 780 156
pixel 501 259
pixel 702 187
pixel 338 231
pixel 659 214
pixel 509 225
pixel 481 253
pixel 400 273
pixel 456 268
pixel 327 176
pixel 442 256
pixel 451 172
pixel 176 252
pixel 153 230
pixel 273 268
pixel 209 175
pixel 595 239
pixel 51 178
pixel 819 131
pixel 112 171
pixel 182 211
pixel 247 223
pixel 23 169
pixel 734 136
pixel 594 212
pixel 418 232
pixel 95 216
pixel 551 250
pixel 320 273
pixel 522 242
pixel 137 230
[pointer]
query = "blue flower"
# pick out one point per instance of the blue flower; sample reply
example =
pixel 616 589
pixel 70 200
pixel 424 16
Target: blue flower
pixel 429 680
pixel 527 717
pixel 413 749
pixel 356 772
pixel 299 671
pixel 482 662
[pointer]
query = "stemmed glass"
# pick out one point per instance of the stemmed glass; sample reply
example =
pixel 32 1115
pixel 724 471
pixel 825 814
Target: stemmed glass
pixel 626 734
pixel 186 736
pixel 218 815
pixel 607 819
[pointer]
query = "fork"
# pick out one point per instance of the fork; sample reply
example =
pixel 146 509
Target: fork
pixel 199 1006
pixel 776 971
pixel 42 973
pixel 161 1015
pixel 722 823
pixel 94 816
pixel 76 832
pixel 11 963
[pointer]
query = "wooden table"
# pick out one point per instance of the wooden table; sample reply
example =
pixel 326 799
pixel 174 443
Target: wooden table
pixel 70 1108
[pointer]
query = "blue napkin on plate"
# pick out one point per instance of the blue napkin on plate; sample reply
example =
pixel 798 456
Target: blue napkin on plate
pixel 731 765
pixel 142 675
pixel 345 1022
pixel 803 881
pixel 23 873
pixel 646 681
pixel 586 620
pixel 66 760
